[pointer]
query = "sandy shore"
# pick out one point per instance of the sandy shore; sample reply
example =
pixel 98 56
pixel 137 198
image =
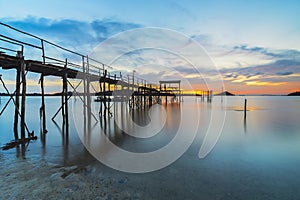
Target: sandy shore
pixel 35 178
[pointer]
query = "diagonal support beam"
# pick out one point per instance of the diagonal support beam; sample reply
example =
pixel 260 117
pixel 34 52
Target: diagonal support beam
pixel 11 95
pixel 75 90
pixel 61 107
pixel 11 98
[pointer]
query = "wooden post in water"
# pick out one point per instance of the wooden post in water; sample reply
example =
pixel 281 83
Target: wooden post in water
pixel 207 95
pixel 42 109
pixel 150 96
pixel 104 93
pixel 17 106
pixel 144 93
pixel 23 104
pixel 89 111
pixel 100 89
pixel 84 95
pixel 165 86
pixel 245 109
pixel 132 95
pixel 65 100
pixel 122 89
pixel 128 91
pixel 108 97
pixel 62 101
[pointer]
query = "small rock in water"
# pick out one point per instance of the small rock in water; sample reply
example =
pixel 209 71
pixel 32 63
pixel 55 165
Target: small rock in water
pixel 123 180
pixel 55 176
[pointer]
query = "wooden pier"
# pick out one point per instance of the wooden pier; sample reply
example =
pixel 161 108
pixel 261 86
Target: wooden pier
pixel 138 93
pixel 204 95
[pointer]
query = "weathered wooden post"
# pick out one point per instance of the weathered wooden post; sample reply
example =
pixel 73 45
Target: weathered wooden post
pixel 128 92
pixel 133 100
pixel 150 96
pixel 245 109
pixel 180 95
pixel 23 104
pixel 165 87
pixel 42 109
pixel 122 88
pixel 108 97
pixel 144 93
pixel 207 94
pixel 65 86
pixel 84 94
pixel 17 100
pixel 100 88
pixel 88 81
pixel 104 92
pixel 64 99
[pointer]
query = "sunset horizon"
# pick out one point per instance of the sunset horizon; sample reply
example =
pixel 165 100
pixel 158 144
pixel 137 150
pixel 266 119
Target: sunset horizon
pixel 150 99
pixel 264 60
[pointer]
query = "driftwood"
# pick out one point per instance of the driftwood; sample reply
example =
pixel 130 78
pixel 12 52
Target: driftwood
pixel 17 142
pixel 73 171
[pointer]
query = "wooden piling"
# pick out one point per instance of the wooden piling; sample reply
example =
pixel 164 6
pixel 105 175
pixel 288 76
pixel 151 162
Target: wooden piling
pixel 17 104
pixel 207 93
pixel 84 94
pixel 89 111
pixel 245 109
pixel 23 104
pixel 101 90
pixel 65 100
pixel 108 97
pixel 150 96
pixel 42 109
pixel 104 92
pixel 132 92
pixel 62 102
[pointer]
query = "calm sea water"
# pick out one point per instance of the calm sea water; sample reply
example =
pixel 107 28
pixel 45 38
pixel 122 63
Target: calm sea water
pixel 256 158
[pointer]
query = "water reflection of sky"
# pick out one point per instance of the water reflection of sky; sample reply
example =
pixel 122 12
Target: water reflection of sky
pixel 255 158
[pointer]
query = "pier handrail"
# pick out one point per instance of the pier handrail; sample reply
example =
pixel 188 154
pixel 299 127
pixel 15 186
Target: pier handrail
pixel 42 42
pixel 83 63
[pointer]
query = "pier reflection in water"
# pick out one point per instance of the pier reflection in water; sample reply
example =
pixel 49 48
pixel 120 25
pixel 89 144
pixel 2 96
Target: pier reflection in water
pixel 246 166
pixel 135 130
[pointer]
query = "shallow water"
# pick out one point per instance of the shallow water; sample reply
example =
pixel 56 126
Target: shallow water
pixel 254 158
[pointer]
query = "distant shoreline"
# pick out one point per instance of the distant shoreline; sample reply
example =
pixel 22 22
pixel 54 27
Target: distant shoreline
pixel 193 95
pixel 297 93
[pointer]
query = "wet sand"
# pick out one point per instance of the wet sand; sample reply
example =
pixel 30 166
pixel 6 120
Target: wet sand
pixel 35 178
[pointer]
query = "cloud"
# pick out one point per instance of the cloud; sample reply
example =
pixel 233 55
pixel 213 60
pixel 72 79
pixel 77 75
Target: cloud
pixel 265 83
pixel 281 54
pixel 275 73
pixel 243 55
pixel 261 50
pixel 284 73
pixel 186 70
pixel 78 35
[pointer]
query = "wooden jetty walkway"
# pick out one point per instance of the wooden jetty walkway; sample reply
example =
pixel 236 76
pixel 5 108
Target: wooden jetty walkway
pixel 137 92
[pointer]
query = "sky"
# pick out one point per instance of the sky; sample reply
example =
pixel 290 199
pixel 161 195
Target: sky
pixel 252 46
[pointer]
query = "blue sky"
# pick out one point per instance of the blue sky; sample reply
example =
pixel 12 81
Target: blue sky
pixel 255 44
